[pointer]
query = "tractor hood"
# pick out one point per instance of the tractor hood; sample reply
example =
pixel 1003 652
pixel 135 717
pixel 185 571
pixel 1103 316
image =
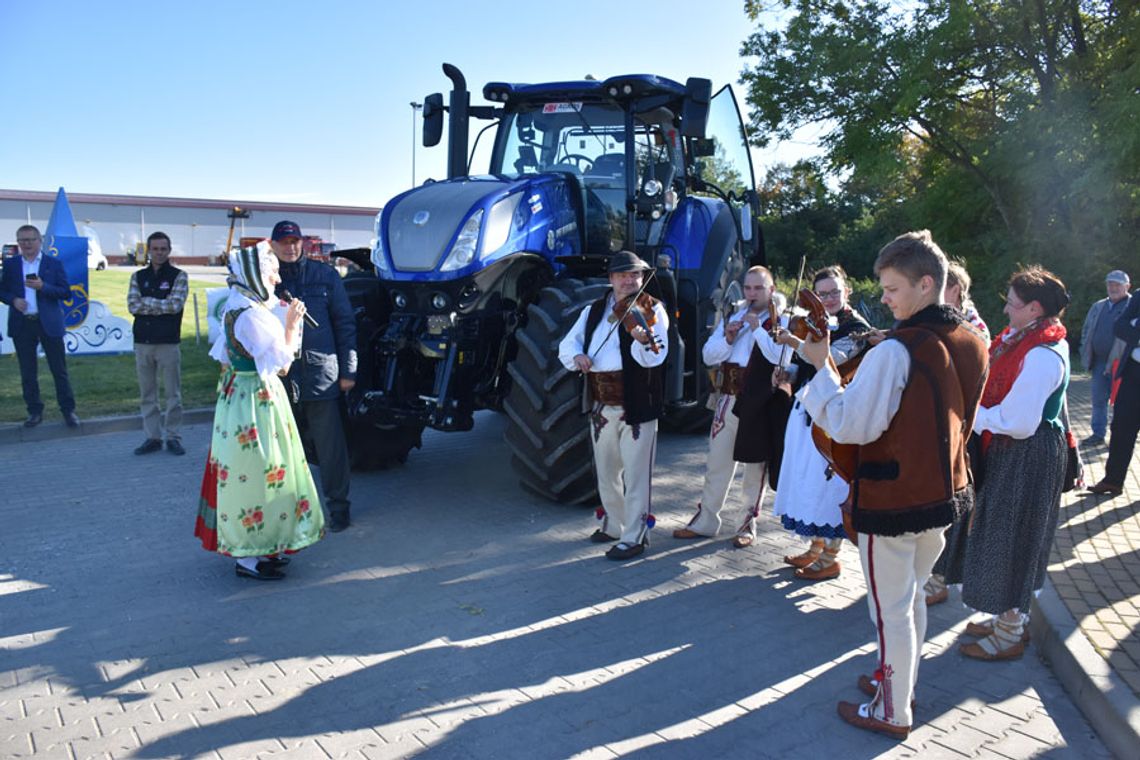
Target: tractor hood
pixel 444 230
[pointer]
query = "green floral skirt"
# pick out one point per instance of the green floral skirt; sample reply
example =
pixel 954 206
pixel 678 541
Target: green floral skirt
pixel 258 495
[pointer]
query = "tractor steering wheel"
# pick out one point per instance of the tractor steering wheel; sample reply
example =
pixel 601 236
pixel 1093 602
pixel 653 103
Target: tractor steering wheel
pixel 582 163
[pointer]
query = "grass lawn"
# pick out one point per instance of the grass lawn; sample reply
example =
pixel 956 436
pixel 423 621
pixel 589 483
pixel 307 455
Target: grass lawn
pixel 107 385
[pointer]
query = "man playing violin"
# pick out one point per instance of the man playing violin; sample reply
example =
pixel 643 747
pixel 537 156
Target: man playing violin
pixel 619 343
pixel 907 412
pixel 748 422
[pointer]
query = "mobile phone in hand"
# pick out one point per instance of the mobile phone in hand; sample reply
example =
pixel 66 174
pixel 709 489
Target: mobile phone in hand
pixel 32 276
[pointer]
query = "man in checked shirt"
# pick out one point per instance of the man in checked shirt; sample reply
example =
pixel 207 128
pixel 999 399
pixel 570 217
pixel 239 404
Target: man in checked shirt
pixel 156 297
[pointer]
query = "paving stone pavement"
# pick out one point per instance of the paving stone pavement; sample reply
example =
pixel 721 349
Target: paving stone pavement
pixel 1095 564
pixel 458 618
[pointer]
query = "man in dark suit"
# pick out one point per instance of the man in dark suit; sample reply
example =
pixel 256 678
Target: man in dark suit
pixel 1126 414
pixel 34 288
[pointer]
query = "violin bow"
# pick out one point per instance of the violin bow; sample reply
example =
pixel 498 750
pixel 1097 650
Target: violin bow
pixel 791 303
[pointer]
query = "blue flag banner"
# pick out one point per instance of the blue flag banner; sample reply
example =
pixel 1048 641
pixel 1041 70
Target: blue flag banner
pixel 62 240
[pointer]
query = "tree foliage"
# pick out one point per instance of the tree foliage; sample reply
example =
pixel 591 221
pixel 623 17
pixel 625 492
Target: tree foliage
pixel 1007 127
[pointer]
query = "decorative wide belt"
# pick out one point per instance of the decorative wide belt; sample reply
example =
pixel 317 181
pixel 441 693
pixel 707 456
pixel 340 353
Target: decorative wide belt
pixel 606 387
pixel 732 378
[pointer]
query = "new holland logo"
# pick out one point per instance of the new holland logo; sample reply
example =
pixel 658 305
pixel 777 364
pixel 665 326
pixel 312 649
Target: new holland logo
pixel 421 218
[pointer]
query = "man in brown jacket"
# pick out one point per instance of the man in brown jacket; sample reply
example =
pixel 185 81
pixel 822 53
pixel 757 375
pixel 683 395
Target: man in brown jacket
pixel 906 416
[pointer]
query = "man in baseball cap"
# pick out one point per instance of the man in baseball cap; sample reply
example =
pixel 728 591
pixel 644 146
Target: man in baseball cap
pixel 327 368
pixel 1096 344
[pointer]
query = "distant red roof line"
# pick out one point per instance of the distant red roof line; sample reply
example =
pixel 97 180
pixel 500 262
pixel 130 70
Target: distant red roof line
pixel 146 200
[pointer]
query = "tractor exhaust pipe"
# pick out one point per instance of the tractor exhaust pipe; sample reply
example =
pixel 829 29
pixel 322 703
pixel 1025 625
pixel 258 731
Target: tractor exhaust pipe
pixel 459 102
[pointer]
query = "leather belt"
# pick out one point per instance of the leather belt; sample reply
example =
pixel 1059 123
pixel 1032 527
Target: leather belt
pixel 606 387
pixel 32 317
pixel 732 378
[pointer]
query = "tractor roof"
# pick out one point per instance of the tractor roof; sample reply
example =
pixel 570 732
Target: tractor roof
pixel 615 88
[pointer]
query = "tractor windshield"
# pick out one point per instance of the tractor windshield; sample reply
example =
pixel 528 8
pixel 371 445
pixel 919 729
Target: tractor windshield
pixel 588 140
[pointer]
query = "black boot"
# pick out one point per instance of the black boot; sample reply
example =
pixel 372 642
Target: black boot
pixel 338 520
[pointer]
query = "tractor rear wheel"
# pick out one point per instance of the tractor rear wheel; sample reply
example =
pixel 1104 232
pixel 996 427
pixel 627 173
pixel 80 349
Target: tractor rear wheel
pixel 547 434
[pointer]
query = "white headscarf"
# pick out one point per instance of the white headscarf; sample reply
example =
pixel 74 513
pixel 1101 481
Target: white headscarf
pixel 248 278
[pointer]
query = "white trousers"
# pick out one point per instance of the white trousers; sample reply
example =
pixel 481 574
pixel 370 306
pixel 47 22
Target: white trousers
pixel 623 457
pixel 896 567
pixel 719 472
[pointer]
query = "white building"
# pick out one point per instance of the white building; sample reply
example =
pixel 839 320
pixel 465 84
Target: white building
pixel 116 224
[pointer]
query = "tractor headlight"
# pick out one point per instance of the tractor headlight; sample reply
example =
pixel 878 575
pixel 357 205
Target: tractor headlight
pixel 379 255
pixel 463 251
pixel 499 224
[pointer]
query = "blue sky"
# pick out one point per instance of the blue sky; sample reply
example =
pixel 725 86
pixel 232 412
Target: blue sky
pixel 303 101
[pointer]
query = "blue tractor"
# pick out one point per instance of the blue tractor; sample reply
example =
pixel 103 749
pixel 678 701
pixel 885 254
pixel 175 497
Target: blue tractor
pixel 478 277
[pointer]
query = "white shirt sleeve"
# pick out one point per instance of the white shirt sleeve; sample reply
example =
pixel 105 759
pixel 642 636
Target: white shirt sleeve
pixel 772 350
pixel 716 349
pixel 263 336
pixel 571 345
pixel 1019 413
pixel 862 411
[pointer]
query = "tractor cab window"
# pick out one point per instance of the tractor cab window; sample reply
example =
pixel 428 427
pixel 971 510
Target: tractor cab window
pixel 724 157
pixel 588 141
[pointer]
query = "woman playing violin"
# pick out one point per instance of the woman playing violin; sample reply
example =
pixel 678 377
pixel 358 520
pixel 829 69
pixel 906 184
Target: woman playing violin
pixel 808 503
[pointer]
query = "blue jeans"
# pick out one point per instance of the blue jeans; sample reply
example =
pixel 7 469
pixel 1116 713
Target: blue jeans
pixel 1101 389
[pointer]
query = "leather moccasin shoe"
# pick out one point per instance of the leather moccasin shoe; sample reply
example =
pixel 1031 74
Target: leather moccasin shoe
pixel 174 446
pixel 149 446
pixel 685 534
pixel 810 573
pixel 981 630
pixel 625 551
pixel 976 652
pixel 801 560
pixel 33 420
pixel 1106 488
pixel 265 571
pixel 743 540
pixel 71 419
pixel 938 597
pixel 598 537
pixel 858 716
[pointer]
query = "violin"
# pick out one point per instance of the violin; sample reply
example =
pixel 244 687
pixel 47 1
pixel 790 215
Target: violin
pixel 639 313
pixel 814 322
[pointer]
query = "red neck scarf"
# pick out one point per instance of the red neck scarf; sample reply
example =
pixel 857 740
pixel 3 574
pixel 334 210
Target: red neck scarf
pixel 1007 356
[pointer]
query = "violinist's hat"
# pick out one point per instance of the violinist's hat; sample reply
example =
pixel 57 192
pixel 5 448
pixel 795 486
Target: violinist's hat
pixel 627 261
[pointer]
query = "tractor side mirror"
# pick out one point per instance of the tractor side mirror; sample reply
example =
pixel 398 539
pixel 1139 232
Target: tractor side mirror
pixel 695 109
pixel 433 119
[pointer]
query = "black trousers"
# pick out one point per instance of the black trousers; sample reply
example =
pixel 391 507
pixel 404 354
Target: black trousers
pixel 26 342
pixel 1125 424
pixel 322 419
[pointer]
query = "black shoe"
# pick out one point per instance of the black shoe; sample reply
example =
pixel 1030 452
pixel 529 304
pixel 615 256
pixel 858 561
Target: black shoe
pixel 281 560
pixel 1093 440
pixel 1104 487
pixel 265 572
pixel 149 446
pixel 34 419
pixel 174 446
pixel 71 419
pixel 598 537
pixel 625 551
pixel 338 521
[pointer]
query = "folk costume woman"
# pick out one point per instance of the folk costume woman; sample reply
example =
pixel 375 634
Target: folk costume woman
pixel 808 501
pixel 1024 456
pixel 258 501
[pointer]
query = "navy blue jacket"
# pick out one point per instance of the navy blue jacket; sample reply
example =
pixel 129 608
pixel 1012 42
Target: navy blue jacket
pixel 1127 328
pixel 49 299
pixel 328 352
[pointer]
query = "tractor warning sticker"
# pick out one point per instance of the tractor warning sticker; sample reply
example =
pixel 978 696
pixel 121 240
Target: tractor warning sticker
pixel 561 107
